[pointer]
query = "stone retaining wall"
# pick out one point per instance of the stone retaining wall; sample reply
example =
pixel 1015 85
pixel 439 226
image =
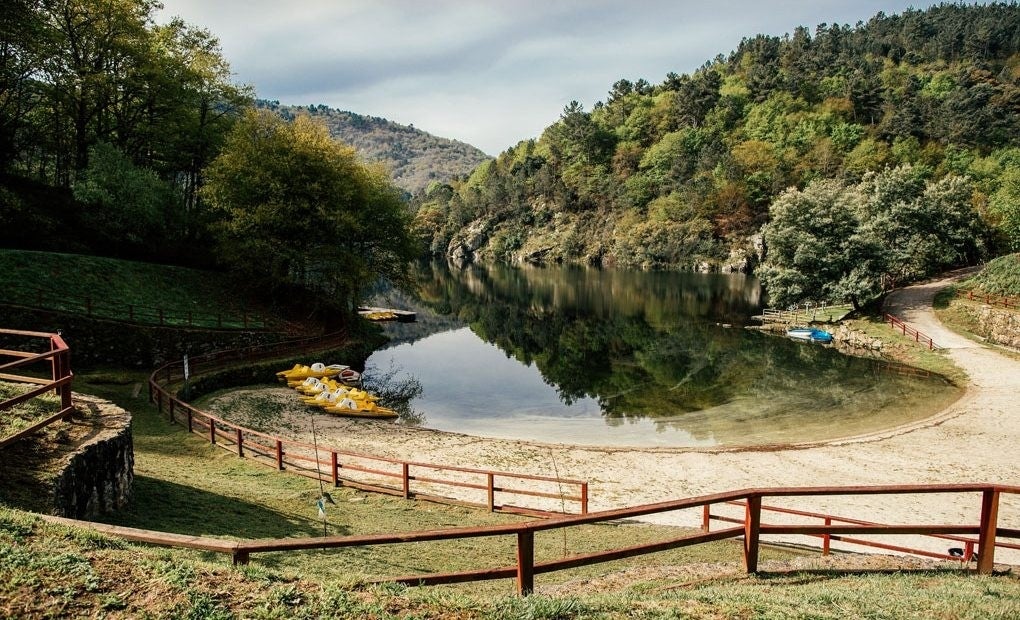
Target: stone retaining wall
pixel 1000 326
pixel 96 478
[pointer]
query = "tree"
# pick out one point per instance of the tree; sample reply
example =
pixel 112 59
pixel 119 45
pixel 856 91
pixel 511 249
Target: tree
pixel 299 211
pixel 125 205
pixel 816 249
pixel 1005 206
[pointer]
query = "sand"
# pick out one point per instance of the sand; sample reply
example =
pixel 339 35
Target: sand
pixel 975 440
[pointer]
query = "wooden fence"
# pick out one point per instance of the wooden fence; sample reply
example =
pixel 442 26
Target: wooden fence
pixel 1009 303
pixel 751 529
pixel 35 297
pixel 58 357
pixel 906 330
pixel 496 491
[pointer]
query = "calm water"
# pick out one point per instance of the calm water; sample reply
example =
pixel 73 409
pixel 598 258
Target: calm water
pixel 584 356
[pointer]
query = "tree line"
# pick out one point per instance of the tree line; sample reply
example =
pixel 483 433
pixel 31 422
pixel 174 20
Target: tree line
pixel 686 172
pixel 127 137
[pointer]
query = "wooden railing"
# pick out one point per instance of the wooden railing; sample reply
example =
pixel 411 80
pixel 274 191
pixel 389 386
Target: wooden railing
pixel 750 528
pixel 492 490
pixel 1009 303
pixel 35 297
pixel 906 330
pixel 58 357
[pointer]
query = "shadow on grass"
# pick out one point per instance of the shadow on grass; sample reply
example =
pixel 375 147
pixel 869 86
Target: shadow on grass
pixel 172 507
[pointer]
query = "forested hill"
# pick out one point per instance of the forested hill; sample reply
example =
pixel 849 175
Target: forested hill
pixel 682 173
pixel 414 157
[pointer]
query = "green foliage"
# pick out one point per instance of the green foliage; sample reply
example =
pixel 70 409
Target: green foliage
pixel 415 159
pixel 1000 276
pixel 125 204
pixel 98 97
pixel 1004 206
pixel 838 242
pixel 298 209
pixel 776 113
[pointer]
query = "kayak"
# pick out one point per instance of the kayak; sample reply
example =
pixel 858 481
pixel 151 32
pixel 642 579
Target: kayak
pixel 811 334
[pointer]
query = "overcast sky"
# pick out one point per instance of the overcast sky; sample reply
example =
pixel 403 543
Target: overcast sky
pixel 487 72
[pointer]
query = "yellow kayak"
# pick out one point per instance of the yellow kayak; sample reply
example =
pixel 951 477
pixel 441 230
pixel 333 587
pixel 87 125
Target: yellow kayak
pixel 318 370
pixel 361 409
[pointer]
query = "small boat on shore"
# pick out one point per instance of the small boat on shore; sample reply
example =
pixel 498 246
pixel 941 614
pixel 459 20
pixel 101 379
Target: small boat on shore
pixel 811 334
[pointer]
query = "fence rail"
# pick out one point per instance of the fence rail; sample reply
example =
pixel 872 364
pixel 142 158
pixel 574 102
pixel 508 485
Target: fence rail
pixel 34 297
pixel 58 356
pixel 496 491
pixel 907 330
pixel 750 528
pixel 1009 303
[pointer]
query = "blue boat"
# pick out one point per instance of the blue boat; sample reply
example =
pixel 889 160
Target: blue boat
pixel 811 334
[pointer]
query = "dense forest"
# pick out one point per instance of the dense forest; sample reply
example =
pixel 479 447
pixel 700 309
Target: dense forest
pixel 683 173
pixel 413 157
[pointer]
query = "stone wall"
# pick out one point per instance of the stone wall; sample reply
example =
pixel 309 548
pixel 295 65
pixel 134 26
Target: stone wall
pixel 1000 326
pixel 96 477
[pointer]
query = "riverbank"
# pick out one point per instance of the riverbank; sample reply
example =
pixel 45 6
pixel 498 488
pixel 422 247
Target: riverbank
pixel 973 440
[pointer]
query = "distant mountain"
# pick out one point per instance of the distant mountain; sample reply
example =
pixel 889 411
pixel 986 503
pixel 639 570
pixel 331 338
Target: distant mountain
pixel 415 158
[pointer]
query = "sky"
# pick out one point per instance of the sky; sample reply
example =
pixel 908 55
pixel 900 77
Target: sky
pixel 486 72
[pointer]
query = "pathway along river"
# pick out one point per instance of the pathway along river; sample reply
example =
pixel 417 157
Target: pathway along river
pixel 625 358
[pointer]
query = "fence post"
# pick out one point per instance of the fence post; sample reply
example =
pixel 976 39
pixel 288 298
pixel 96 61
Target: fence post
pixel 525 562
pixel 986 538
pixel 335 474
pixel 404 472
pixel 584 498
pixel 826 537
pixel 190 421
pixel 491 490
pixel 706 518
pixel 279 455
pixel 752 523
pixel 159 401
pixel 240 450
pixel 212 431
pixel 170 416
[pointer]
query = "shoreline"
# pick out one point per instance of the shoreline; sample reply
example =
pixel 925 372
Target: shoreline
pixel 973 440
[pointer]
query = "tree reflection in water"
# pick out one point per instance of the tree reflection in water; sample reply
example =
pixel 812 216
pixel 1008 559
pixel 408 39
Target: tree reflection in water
pixel 661 358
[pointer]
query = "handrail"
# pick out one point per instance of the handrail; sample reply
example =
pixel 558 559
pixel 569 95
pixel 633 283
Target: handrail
pixel 36 297
pixel 59 357
pixel 907 330
pixel 404 478
pixel 1009 303
pixel 750 528
pixel 827 538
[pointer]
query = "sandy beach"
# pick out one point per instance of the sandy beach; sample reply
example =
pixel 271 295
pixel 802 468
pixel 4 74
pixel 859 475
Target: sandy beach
pixel 975 440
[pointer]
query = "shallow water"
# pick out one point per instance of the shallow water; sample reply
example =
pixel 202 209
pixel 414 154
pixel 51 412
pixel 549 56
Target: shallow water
pixel 626 358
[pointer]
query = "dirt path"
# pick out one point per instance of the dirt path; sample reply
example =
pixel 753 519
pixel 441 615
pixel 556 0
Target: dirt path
pixel 974 440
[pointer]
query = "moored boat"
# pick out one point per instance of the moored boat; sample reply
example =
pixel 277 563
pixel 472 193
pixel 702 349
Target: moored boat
pixel 811 334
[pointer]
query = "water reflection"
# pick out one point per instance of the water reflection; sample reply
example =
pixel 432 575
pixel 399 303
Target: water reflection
pixel 631 358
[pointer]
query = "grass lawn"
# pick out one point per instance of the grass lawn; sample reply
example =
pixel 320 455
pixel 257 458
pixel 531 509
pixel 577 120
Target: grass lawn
pixel 120 289
pixel 20 417
pixel 185 485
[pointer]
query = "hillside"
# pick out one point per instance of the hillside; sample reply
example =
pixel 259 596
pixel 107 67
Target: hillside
pixel 415 158
pixel 682 174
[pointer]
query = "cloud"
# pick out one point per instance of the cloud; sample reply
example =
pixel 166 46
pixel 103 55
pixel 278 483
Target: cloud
pixel 487 73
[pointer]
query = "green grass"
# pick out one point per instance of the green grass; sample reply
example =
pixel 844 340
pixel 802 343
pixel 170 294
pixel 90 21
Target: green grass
pixel 50 571
pixel 185 485
pixel 1000 276
pixel 119 289
pixel 903 349
pixel 20 417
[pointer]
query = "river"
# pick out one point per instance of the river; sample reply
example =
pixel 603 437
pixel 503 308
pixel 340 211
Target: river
pixel 629 358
